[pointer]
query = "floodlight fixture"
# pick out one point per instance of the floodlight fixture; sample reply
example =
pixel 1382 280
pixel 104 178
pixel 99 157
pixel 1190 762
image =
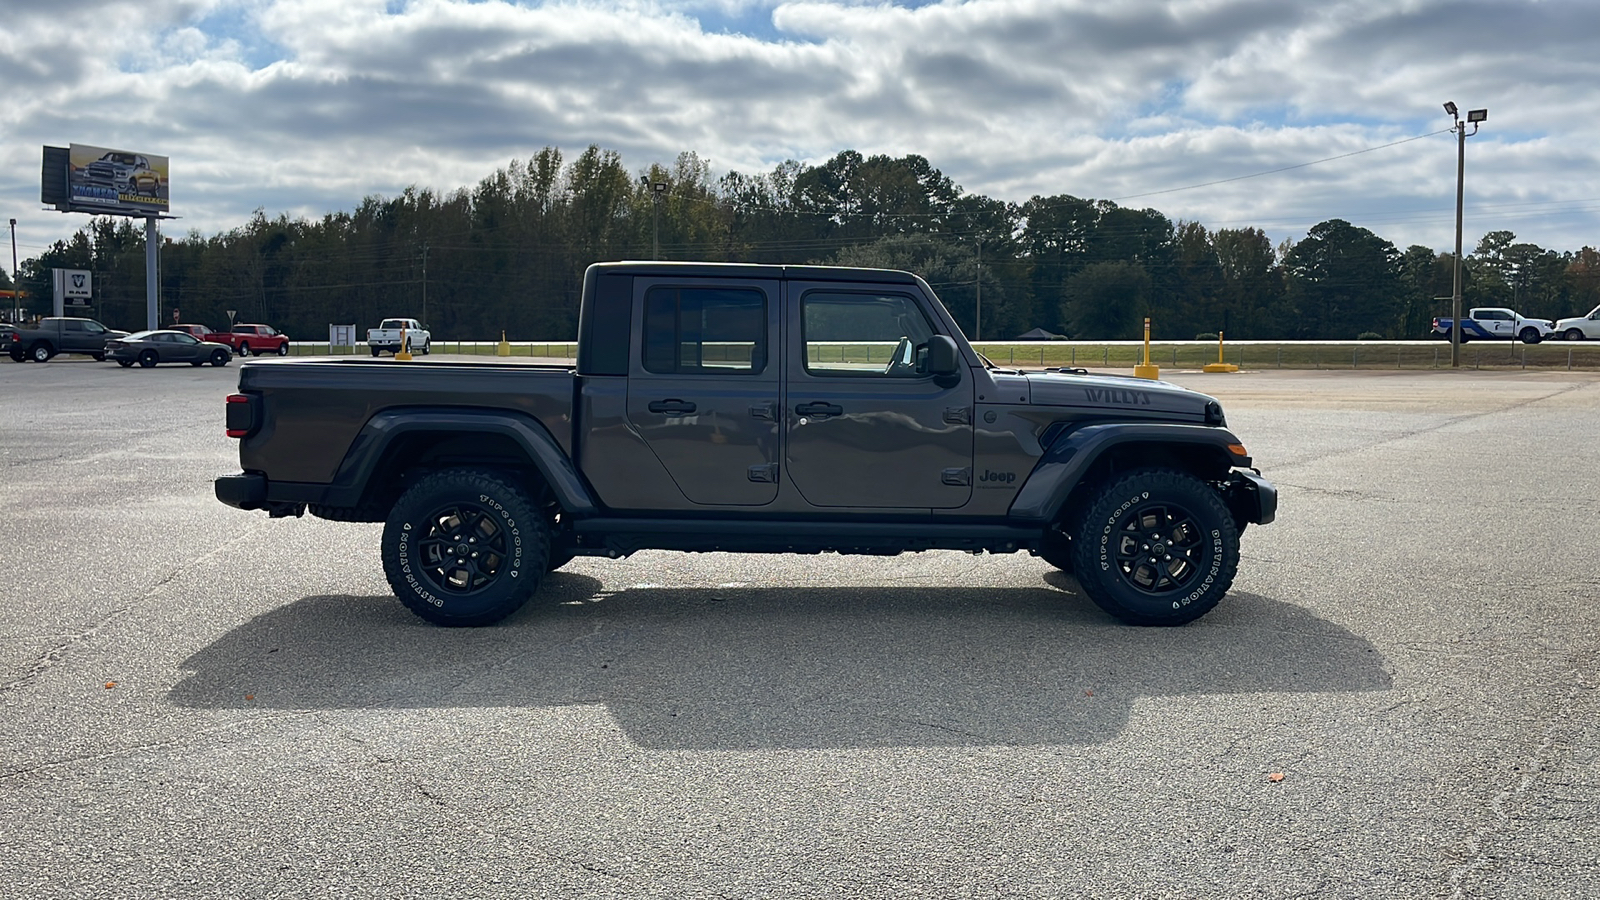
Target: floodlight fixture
pixel 1476 118
pixel 1449 107
pixel 1477 115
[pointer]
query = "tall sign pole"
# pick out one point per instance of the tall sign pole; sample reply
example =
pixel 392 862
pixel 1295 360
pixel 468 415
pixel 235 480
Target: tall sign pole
pixel 152 280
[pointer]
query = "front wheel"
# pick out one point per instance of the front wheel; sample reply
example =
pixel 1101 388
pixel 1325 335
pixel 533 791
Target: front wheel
pixel 1529 336
pixel 1573 334
pixel 219 358
pixel 426 346
pixel 1156 547
pixel 465 547
pixel 283 349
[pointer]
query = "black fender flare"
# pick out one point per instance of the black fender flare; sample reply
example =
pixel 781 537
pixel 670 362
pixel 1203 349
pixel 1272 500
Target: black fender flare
pixel 374 439
pixel 1062 466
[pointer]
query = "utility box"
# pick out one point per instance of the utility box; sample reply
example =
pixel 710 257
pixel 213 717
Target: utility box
pixel 341 335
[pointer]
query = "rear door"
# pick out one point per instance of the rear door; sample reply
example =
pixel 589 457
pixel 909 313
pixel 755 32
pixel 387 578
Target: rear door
pixel 703 385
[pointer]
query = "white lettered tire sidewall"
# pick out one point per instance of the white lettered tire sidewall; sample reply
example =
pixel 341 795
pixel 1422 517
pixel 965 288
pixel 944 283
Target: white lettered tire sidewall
pixel 1104 583
pixel 526 547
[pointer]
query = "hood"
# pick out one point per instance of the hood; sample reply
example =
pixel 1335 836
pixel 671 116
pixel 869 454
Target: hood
pixel 1123 394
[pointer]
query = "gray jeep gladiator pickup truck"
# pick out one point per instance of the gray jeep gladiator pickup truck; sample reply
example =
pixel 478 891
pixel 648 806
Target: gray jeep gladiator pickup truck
pixel 767 409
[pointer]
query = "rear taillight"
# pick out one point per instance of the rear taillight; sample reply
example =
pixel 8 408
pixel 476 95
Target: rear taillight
pixel 241 415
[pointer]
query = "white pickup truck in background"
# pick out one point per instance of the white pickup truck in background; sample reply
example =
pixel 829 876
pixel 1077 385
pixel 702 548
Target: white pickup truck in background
pixel 1489 323
pixel 387 336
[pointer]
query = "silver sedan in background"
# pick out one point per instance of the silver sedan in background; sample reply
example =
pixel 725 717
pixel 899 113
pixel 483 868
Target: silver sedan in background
pixel 147 348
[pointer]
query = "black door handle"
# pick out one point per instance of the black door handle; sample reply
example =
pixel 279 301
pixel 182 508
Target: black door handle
pixel 819 410
pixel 672 407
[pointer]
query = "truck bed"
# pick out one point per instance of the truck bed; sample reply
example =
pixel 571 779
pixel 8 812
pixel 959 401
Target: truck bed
pixel 318 406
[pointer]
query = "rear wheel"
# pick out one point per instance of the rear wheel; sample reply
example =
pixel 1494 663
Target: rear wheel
pixel 41 352
pixel 1157 547
pixel 244 349
pixel 374 351
pixel 98 357
pixel 148 358
pixel 465 547
pixel 125 363
pixel 197 362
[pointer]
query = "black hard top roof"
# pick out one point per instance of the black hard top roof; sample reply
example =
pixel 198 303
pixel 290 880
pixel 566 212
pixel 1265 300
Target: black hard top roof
pixel 752 270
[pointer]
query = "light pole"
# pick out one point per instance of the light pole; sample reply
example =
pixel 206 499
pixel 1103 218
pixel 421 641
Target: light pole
pixel 1475 117
pixel 16 286
pixel 657 188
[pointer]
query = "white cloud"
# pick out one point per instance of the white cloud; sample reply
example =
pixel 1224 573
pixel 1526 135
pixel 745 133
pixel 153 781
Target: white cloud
pixel 306 106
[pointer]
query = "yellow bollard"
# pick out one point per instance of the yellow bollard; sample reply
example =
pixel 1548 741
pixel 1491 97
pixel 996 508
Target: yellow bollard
pixel 1149 370
pixel 1219 365
pixel 404 353
pixel 505 346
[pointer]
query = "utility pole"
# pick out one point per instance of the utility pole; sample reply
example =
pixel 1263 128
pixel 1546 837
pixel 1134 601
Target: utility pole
pixel 977 323
pixel 1474 117
pixel 16 279
pixel 425 284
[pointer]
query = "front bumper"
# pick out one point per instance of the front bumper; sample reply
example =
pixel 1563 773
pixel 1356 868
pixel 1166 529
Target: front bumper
pixel 1251 498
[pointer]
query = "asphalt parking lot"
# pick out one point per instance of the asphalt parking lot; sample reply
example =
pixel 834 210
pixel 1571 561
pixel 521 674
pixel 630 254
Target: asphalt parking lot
pixel 198 701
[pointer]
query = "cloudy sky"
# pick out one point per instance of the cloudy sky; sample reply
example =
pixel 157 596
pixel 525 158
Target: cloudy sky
pixel 306 106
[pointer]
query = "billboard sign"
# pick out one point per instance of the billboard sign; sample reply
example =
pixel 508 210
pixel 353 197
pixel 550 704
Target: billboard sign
pixel 102 180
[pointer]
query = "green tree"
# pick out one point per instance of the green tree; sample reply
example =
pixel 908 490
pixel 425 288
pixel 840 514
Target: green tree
pixel 1342 281
pixel 1107 300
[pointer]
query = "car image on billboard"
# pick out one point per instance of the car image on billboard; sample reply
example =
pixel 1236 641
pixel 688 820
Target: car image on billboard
pixel 117 180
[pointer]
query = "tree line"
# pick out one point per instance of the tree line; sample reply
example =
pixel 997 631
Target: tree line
pixel 507 254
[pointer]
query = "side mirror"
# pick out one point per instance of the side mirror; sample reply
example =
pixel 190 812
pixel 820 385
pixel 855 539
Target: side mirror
pixel 943 358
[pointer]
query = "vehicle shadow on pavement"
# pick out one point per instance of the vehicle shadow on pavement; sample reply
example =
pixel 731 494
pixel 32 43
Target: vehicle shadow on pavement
pixel 790 667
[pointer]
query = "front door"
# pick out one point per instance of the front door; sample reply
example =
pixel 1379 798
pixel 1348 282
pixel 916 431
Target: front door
pixel 867 426
pixel 703 389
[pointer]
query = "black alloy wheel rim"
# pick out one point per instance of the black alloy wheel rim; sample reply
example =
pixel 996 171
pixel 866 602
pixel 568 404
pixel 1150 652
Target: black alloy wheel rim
pixel 1159 549
pixel 462 549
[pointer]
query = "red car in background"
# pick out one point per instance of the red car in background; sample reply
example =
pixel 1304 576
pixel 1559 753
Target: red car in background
pixel 243 339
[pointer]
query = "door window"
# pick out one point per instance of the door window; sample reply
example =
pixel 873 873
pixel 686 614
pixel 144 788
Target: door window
pixel 870 335
pixel 705 331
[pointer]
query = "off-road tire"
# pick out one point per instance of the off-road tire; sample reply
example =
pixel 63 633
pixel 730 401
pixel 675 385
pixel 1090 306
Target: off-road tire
pixel 436 528
pixel 1171 517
